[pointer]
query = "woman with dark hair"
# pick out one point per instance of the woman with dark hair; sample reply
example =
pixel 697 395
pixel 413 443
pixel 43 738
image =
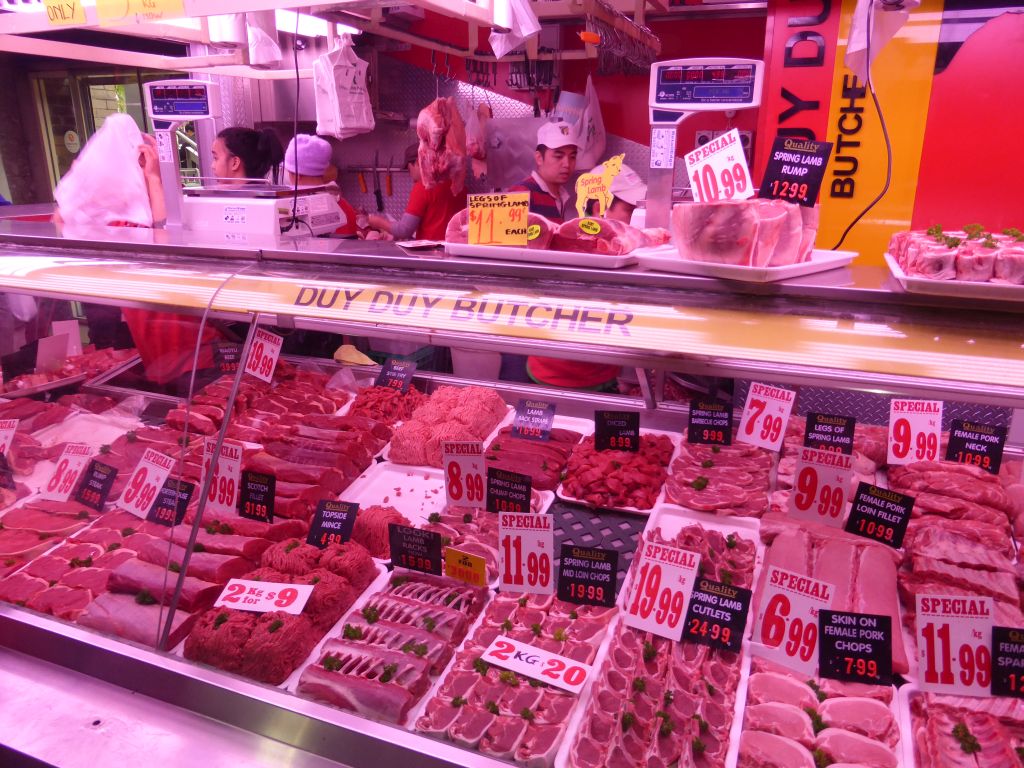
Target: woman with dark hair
pixel 244 153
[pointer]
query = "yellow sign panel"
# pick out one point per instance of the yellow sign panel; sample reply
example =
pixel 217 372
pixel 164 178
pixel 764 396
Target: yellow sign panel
pixel 65 12
pixel 598 186
pixel 465 567
pixel 135 11
pixel 498 219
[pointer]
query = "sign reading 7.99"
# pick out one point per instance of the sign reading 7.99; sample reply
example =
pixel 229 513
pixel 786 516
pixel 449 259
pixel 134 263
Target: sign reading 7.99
pixel 765 416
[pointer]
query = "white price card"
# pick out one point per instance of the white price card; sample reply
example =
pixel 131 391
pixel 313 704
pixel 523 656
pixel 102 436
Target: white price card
pixel 67 473
pixel 550 668
pixel 223 494
pixel 464 473
pixel 263 596
pixel 7 429
pixel 765 416
pixel 786 627
pixel 954 644
pixel 915 430
pixel 263 354
pixel 660 589
pixel 145 482
pixel 526 544
pixel 821 486
pixel 718 170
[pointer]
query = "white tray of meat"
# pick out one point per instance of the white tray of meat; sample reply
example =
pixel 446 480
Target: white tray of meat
pixel 728 480
pixel 538 256
pixel 36 383
pixel 961 289
pixel 666 259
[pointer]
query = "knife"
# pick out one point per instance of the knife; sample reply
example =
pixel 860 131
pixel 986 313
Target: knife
pixel 376 182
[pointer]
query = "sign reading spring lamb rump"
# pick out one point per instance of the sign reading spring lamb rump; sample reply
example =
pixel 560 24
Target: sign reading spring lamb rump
pixel 717 616
pixel 415 549
pixel 263 596
pixel 533 420
pixel 765 415
pixel 171 502
pixel 508 491
pixel 855 647
pixel 332 523
pixel 1008 662
pixel 396 374
pixel 795 170
pixel 826 432
pixel 97 480
pixel 978 444
pixel 588 575
pixel 709 423
pixel 915 430
pixel 617 431
pixel 954 644
pixel 880 514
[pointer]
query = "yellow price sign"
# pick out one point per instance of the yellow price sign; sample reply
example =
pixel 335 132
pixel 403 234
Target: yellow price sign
pixel 499 219
pixel 463 566
pixel 136 11
pixel 65 12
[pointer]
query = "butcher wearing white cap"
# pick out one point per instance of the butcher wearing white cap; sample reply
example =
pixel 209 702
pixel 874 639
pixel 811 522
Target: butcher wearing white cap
pixel 551 195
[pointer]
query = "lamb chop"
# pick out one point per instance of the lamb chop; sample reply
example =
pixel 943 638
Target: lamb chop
pixel 442 152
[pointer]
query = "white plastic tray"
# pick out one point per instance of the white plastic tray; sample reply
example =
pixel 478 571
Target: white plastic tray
pixel 537 256
pixel 961 289
pixel 666 259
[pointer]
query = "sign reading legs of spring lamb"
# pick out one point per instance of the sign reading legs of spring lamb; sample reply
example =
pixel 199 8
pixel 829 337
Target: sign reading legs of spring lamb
pixel 415 549
pixel 827 432
pixel 765 416
pixel 660 589
pixel 332 523
pixel 499 219
pixel 588 575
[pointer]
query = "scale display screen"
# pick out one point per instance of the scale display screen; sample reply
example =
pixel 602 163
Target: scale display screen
pixel 705 84
pixel 188 100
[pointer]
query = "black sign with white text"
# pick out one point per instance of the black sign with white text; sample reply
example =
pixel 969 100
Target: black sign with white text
pixel 709 422
pixel 978 444
pixel 795 170
pixel 415 549
pixel 855 647
pixel 880 514
pixel 617 431
pixel 332 523
pixel 1008 662
pixel 97 480
pixel 256 500
pixel 830 433
pixel 588 575
pixel 507 491
pixel 533 420
pixel 396 374
pixel 717 615
pixel 171 502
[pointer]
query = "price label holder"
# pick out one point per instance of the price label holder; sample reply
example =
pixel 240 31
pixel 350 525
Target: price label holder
pixel 786 626
pixel 463 463
pixel 617 431
pixel 538 664
pixel 256 500
pixel 332 523
pixel 263 596
pixel 765 415
pixel 880 514
pixel 97 480
pixel 466 567
pixel 67 472
pixel 7 429
pixel 822 480
pixel 6 474
pixel 709 423
pixel 263 354
pixel 145 482
pixel 827 432
pixel 1008 662
pixel 415 549
pixel 915 431
pixel 660 589
pixel 526 545
pixel 795 170
pixel 954 644
pixel 533 420
pixel 226 356
pixel 718 170
pixel 980 445
pixel 587 575
pixel 855 647
pixel 396 374
pixel 222 497
pixel 171 502
pixel 717 616
pixel 499 219
pixel 508 491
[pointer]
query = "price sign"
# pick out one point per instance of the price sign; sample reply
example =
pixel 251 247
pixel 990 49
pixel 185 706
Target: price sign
pixel 660 589
pixel 415 549
pixel 526 546
pixel 97 480
pixel 6 474
pixel 226 356
pixel 263 596
pixel 717 615
pixel 145 482
pixel 508 491
pixel 765 416
pixel 263 354
pixel 332 523
pixel 954 644
pixel 822 480
pixel 396 374
pixel 463 463
pixel 256 500
pixel 499 219
pixel 709 423
pixel 472 569
pixel 915 430
pixel 880 514
pixel 1008 662
pixel 617 431
pixel 588 575
pixel 533 420
pixel 830 433
pixel 855 647
pixel 222 497
pixel 67 472
pixel 795 170
pixel 538 664
pixel 786 627
pixel 978 444
pixel 718 170
pixel 171 502
pixel 7 429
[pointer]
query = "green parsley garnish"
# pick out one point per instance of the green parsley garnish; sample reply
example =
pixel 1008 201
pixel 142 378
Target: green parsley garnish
pixel 115 545
pixel 446 541
pixel 332 663
pixel 821 759
pixel 459 701
pixel 702 724
pixel 817 690
pixel 371 614
pixel 817 723
pixel 559 635
pixel 536 683
pixel 83 515
pixel 467 518
pixel 668 698
pixel 199 547
pixel 419 649
pixel 389 673
pixel 711 689
pixel 650 652
pixel 522 602
pixel 398 581
pixel 127 532
pixel 221 618
pixel 144 598
pixel 130 436
pixel 639 684
pixel 536 629
pixel 527 714
pixel 80 562
pixel 1013 232
pixel 628 718
pixel 106 448
pixel 952 242
pixel 973 231
pixel 935 230
pixel 573 614
pixel 275 625
pixel 726 576
pixel 716 449
pixel 480 665
pixel 698 746
pixel 509 678
pixel 968 741
pixel 506 625
pixel 435 517
pixel 700 483
pixel 731 541
pixel 707 464
pixel 429 623
pixel 174 567
pixel 291 545
pixel 450 598
pixel 491 707
pixel 352 633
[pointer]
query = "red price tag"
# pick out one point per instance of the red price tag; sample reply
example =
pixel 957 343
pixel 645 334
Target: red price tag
pixel 263 596
pixel 821 488
pixel 954 644
pixel 223 494
pixel 463 463
pixel 526 543
pixel 263 354
pixel 915 430
pixel 786 628
pixel 765 416
pixel 67 473
pixel 559 671
pixel 718 170
pixel 661 587
pixel 145 482
pixel 7 429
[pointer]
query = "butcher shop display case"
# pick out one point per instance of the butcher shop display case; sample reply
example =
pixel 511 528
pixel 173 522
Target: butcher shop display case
pixel 426 563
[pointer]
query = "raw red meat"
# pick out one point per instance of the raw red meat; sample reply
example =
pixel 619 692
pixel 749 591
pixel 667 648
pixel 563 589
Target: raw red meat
pixel 22 544
pixel 442 151
pixel 135 576
pixel 592 234
pixel 197 422
pixel 868 717
pixel 19 588
pixel 48 568
pixel 278 644
pixel 387 404
pixel 371 529
pixel 219 636
pixel 33 519
pixel 93 579
pixel 122 616
pixel 542 461
pixel 618 478
pixel 60 601
pixel 88 402
pixel 759 749
pixel 781 720
pixel 539 230
pixel 332 481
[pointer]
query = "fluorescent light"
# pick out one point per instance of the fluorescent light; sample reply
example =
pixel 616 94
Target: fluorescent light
pixel 309 26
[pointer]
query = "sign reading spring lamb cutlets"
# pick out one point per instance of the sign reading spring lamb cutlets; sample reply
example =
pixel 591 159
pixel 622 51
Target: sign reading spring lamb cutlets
pixel 980 445
pixel 332 523
pixel 717 616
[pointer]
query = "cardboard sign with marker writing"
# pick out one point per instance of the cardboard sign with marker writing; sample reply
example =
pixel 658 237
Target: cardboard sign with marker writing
pixel 498 219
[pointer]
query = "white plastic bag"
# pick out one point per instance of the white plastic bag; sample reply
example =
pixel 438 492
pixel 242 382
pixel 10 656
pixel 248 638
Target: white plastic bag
pixel 264 51
pixel 343 106
pixel 105 183
pixel 590 132
pixel 524 25
pixel 885 24
pixel 22 307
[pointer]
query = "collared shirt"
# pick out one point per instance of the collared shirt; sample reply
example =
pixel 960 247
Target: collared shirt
pixel 543 202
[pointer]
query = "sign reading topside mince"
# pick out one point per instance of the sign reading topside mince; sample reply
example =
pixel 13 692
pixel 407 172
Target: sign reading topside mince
pixel 67 472
pixel 256 500
pixel 660 589
pixel 415 549
pixel 463 464
pixel 616 431
pixel 263 596
pixel 717 615
pixel 765 415
pixel 880 514
pixel 171 503
pixel 786 626
pixel 533 420
pixel 1008 661
pixel 915 430
pixel 538 664
pixel 954 644
pixel 587 575
pixel 980 445
pixel 396 374
pixel 95 485
pixel 820 486
pixel 332 523
pixel 508 491
pixel 526 551
pixel 855 647
pixel 826 431
pixel 709 422
pixel 263 355
pixel 795 170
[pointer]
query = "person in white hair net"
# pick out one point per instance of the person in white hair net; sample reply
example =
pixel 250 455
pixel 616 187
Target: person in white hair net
pixel 309 158
pixel 628 189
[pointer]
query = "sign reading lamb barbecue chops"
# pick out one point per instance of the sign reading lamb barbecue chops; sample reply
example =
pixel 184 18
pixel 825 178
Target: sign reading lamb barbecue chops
pixel 709 422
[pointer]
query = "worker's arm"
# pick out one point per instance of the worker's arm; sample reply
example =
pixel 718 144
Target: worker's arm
pixel 405 229
pixel 150 163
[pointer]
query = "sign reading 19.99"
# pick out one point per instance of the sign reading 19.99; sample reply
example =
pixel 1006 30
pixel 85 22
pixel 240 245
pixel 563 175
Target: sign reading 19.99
pixel 262 360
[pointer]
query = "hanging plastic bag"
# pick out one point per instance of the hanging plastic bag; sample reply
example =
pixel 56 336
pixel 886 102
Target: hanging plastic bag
pixel 343 106
pixel 590 132
pixel 105 183
pixel 524 25
pixel 22 307
pixel 264 50
pixel 885 23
